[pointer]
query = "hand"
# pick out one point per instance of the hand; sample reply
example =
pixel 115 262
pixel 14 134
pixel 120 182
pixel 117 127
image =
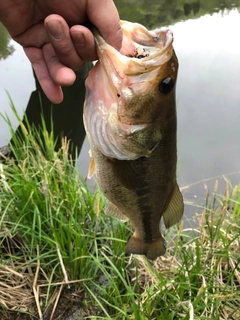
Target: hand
pixel 54 39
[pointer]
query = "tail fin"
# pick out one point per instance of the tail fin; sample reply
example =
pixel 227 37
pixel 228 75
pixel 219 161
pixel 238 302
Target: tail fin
pixel 151 250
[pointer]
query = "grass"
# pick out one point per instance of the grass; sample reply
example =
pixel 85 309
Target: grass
pixel 60 253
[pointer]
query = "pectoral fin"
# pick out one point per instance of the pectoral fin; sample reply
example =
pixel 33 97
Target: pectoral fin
pixel 113 211
pixel 124 173
pixel 175 208
pixel 92 166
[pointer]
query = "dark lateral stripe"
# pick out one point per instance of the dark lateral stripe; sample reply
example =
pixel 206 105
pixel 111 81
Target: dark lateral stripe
pixel 146 212
pixel 146 221
pixel 142 192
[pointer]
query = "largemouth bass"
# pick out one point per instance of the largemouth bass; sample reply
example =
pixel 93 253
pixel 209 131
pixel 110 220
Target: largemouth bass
pixel 130 120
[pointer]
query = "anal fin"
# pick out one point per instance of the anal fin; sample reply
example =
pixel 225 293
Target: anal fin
pixel 174 211
pixel 113 211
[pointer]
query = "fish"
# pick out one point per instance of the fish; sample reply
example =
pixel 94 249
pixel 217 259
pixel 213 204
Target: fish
pixel 131 125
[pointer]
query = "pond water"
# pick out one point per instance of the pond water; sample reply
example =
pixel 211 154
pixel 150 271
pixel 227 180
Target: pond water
pixel 208 96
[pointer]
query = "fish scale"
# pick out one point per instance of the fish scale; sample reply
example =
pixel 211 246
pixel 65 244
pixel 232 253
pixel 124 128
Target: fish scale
pixel 134 157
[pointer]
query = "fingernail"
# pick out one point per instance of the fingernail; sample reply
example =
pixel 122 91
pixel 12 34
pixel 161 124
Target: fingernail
pixel 78 38
pixel 55 29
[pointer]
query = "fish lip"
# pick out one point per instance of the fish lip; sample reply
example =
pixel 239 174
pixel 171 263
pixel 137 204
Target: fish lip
pixel 159 40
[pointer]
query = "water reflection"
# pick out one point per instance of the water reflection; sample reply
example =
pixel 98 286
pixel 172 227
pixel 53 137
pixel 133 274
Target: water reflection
pixel 64 119
pixel 191 7
pixel 206 43
pixel 155 13
pixel 5 48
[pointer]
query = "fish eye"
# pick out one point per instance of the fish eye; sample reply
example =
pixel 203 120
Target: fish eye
pixel 166 85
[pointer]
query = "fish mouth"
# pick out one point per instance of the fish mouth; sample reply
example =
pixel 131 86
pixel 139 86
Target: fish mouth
pixel 140 43
pixel 142 50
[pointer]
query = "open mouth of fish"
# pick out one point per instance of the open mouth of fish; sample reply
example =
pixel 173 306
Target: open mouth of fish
pixel 153 47
pixel 143 44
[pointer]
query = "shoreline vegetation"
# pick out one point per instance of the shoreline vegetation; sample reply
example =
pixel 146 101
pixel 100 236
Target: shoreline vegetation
pixel 62 258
